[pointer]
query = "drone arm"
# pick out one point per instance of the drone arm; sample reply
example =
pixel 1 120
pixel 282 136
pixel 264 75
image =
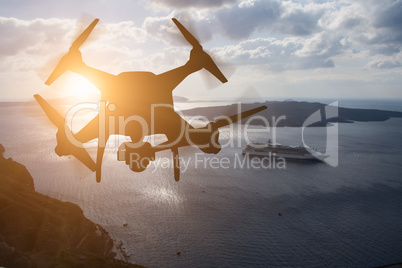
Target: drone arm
pixel 89 132
pixel 171 79
pixel 100 79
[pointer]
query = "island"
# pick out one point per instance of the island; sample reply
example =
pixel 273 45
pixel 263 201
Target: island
pixel 294 114
pixel 288 113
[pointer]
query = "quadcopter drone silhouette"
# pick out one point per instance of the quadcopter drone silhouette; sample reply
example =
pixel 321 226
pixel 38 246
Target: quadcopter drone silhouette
pixel 133 102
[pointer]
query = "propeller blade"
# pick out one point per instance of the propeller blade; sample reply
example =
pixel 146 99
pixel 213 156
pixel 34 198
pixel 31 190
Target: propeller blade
pixel 211 67
pixel 62 66
pixel 186 34
pixel 210 80
pixel 237 117
pixel 57 72
pixel 84 35
pixel 58 120
pixel 51 113
pixel 208 63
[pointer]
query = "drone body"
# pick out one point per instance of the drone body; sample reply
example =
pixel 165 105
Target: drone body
pixel 138 104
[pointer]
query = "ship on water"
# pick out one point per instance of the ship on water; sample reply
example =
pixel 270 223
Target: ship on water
pixel 300 152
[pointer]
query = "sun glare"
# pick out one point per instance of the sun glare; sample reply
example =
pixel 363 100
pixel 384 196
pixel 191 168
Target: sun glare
pixel 80 87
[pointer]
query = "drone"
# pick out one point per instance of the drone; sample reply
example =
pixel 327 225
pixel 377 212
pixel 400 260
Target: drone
pixel 137 105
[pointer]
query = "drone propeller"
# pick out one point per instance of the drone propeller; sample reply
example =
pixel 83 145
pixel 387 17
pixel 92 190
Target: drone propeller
pixel 63 146
pixel 63 64
pixel 54 116
pixel 187 35
pixel 84 35
pixel 208 63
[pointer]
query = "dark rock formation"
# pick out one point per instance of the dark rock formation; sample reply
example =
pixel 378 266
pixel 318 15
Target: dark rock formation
pixel 39 231
pixel 295 113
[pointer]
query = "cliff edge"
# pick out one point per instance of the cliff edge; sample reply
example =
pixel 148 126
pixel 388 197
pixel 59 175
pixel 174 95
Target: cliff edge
pixel 40 231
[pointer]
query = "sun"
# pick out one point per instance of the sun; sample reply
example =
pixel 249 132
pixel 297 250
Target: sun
pixel 80 87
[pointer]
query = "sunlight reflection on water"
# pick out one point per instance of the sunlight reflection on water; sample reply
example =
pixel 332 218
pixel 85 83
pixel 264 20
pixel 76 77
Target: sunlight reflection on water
pixel 344 216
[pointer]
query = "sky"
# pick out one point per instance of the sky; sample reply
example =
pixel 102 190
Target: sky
pixel 268 49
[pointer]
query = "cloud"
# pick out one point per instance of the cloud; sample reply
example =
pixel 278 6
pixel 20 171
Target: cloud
pixel 241 21
pixel 328 30
pixel 293 35
pixel 381 64
pixel 185 4
pixel 389 16
pixel 312 34
pixel 278 17
pixel 323 44
pixel 27 44
pixel 298 19
pixel 387 23
pixel 169 58
pixel 375 26
pixel 274 54
pixel 33 36
pixel 125 31
pixel 163 29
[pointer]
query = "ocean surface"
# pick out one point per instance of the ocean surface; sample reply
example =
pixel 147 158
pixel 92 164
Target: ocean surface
pixel 227 211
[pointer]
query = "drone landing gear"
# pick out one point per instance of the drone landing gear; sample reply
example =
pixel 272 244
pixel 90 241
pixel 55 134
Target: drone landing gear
pixel 138 158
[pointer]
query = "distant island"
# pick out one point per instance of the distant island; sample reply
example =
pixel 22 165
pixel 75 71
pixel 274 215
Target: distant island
pixel 296 113
pixel 40 231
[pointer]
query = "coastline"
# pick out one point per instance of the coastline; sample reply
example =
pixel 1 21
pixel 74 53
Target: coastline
pixel 40 231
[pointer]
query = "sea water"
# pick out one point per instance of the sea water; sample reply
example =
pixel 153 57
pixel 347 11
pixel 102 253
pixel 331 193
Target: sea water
pixel 306 214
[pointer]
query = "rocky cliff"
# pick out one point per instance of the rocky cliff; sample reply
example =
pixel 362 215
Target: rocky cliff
pixel 39 231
